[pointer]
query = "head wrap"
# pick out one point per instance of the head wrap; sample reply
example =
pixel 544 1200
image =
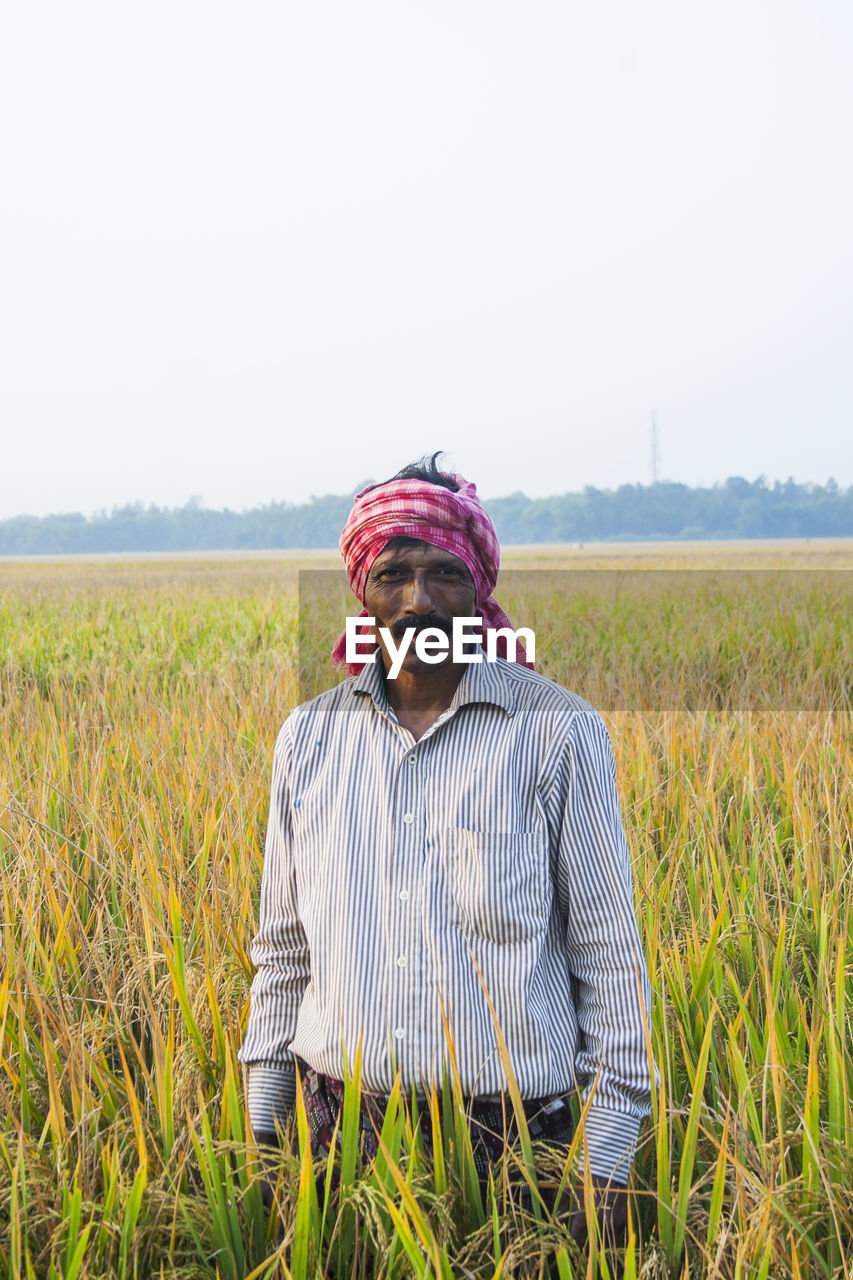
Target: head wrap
pixel 456 522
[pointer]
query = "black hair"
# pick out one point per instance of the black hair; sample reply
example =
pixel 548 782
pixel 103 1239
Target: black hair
pixel 425 469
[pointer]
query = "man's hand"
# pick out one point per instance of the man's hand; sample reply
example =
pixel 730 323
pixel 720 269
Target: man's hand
pixel 611 1210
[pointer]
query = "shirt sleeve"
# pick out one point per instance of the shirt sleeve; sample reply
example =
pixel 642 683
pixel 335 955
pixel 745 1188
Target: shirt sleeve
pixel 282 959
pixel 609 974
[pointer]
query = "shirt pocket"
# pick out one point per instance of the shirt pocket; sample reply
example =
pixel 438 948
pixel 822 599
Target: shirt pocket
pixel 499 883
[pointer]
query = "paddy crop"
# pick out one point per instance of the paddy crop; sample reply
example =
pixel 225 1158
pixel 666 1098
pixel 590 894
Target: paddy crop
pixel 138 711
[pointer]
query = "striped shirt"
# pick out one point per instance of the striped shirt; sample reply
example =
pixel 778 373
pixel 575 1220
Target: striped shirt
pixel 392 868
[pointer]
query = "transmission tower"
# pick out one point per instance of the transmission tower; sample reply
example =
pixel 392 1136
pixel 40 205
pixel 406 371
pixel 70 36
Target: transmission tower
pixel 655 458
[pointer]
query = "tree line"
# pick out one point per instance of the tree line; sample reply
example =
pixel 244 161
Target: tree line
pixel 734 508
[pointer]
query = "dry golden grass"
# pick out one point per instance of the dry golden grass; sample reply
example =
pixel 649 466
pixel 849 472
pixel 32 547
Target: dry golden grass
pixel 138 708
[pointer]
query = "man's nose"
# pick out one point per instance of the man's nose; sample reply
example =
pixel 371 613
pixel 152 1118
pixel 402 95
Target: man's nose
pixel 418 598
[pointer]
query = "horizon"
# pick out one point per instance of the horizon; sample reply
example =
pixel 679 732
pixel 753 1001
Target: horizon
pixel 196 501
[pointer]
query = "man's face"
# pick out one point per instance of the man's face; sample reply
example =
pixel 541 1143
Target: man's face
pixel 418 585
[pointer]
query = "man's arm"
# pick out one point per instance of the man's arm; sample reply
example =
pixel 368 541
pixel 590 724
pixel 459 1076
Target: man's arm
pixel 605 958
pixel 282 959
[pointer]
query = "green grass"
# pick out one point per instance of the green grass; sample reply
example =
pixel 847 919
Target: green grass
pixel 137 718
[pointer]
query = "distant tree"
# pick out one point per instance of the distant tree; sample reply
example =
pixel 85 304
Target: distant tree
pixel 736 508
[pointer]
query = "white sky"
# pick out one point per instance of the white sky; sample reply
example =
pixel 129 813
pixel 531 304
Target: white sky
pixel 262 250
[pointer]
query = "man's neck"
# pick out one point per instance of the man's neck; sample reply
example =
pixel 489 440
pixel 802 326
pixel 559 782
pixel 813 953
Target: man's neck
pixel 419 698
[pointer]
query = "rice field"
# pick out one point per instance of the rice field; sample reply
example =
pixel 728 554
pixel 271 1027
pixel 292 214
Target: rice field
pixel 139 704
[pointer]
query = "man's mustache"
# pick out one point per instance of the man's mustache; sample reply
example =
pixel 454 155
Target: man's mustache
pixel 420 622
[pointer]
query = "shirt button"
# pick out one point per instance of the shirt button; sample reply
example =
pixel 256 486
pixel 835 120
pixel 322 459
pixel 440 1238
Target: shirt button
pixel 404 895
pixel 401 962
pixel 408 818
pixel 400 1033
pixel 413 758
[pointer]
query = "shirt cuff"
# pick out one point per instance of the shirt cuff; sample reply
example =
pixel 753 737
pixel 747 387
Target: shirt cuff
pixel 611 1138
pixel 271 1094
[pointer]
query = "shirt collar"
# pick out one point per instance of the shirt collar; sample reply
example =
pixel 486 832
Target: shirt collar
pixel 481 682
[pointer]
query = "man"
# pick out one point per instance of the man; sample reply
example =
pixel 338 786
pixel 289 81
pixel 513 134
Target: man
pixel 460 816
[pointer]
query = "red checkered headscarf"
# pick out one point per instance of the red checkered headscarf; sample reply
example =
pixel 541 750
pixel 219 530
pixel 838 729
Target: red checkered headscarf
pixel 456 522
